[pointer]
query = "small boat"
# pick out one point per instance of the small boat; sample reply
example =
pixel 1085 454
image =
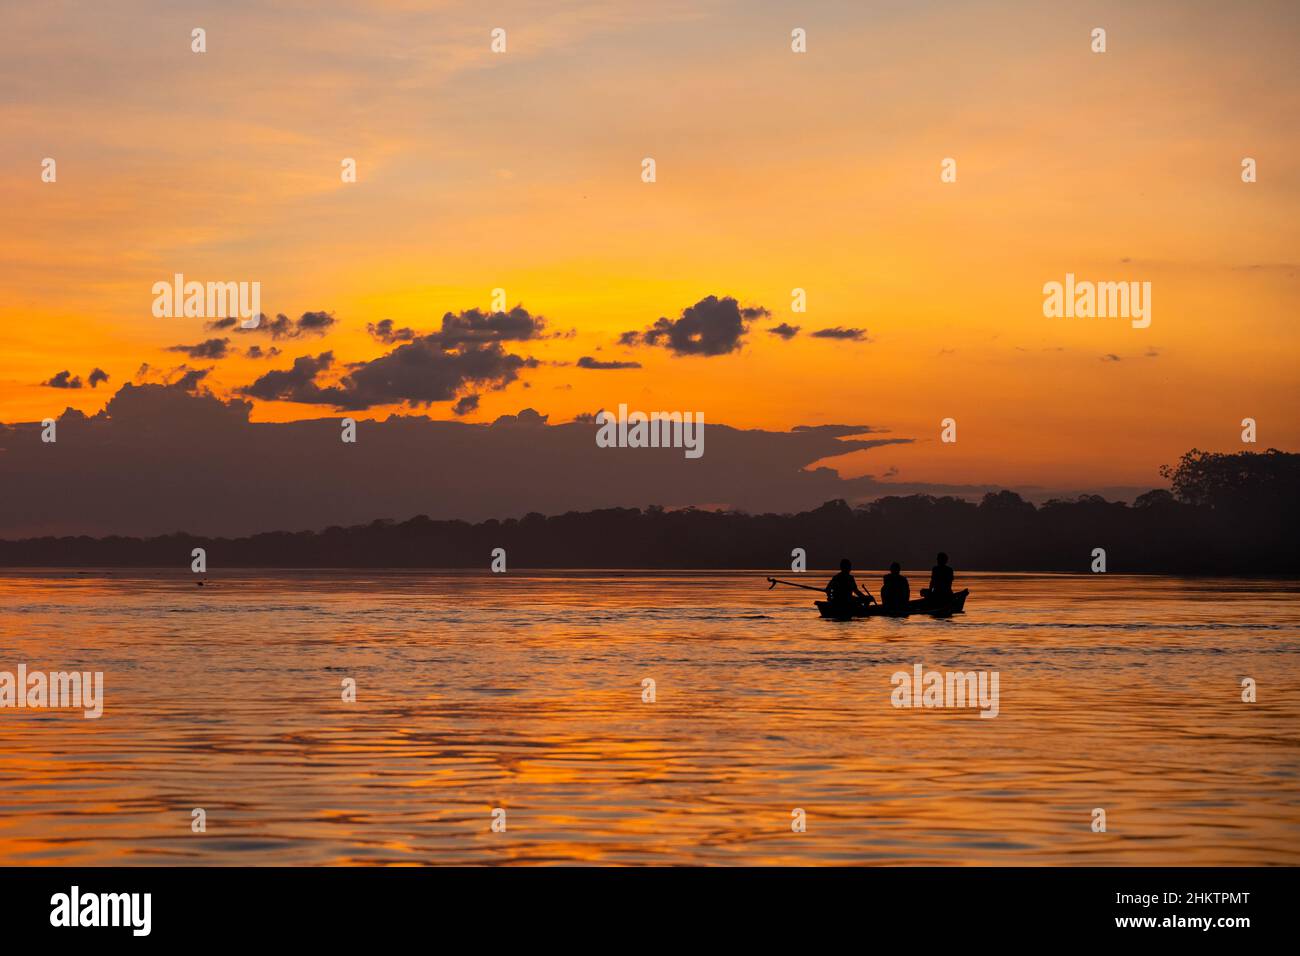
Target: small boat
pixel 945 608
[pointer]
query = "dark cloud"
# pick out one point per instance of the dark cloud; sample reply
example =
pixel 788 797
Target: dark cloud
pixel 219 473
pixel 851 335
pixel 384 332
pixel 160 459
pixel 416 373
pixel 465 405
pixel 838 431
pixel 182 378
pixel 97 375
pixel 278 328
pixel 588 362
pixel 423 371
pixel 64 379
pixel 475 326
pixel 711 326
pixel 281 327
pixel 1110 357
pixel 784 330
pixel 469 327
pixel 296 384
pixel 257 352
pixel 233 325
pixel 209 349
pixel 527 418
pixel 314 323
pixel 190 379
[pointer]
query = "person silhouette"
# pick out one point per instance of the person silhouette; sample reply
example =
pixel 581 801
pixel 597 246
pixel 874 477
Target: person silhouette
pixel 940 580
pixel 842 590
pixel 895 592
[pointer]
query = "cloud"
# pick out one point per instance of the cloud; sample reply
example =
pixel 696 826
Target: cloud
pixel 851 335
pixel 66 379
pixel 465 405
pixel 63 379
pixel 189 380
pixel 468 327
pixel 527 418
pixel 257 352
pixel 784 330
pixel 384 332
pixel 588 362
pixel 314 323
pixel 296 384
pixel 281 327
pixel 264 325
pixel 209 349
pixel 475 326
pixel 219 473
pixel 415 373
pixel 1110 357
pixel 711 326
pixel 839 431
pixel 423 371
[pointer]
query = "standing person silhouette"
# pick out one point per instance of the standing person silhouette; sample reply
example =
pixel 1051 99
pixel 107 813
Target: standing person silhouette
pixel 940 580
pixel 895 592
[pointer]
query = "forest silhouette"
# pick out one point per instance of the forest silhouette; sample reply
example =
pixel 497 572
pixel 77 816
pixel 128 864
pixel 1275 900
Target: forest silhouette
pixel 1224 514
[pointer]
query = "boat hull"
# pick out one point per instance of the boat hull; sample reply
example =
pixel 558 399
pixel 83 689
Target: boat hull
pixel 955 605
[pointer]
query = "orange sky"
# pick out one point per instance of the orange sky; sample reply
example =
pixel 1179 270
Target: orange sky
pixel 775 170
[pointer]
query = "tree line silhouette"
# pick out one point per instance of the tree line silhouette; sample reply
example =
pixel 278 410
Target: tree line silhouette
pixel 1223 514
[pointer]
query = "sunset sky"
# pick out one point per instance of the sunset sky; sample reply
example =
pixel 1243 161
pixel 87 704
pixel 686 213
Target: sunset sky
pixel 775 171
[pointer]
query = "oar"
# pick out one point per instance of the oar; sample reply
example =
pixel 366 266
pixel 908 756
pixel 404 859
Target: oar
pixel 806 587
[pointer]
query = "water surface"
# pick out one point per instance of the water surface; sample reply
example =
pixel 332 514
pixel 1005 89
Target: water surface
pixel 524 692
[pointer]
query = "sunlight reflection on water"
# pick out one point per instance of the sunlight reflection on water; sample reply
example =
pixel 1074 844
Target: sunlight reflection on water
pixel 523 691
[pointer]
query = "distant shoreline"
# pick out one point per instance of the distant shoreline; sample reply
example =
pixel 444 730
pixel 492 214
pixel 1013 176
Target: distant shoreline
pixel 1227 515
pixel 1245 531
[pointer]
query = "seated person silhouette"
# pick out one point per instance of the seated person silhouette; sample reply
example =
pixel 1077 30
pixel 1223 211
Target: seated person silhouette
pixel 940 588
pixel 895 592
pixel 842 590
